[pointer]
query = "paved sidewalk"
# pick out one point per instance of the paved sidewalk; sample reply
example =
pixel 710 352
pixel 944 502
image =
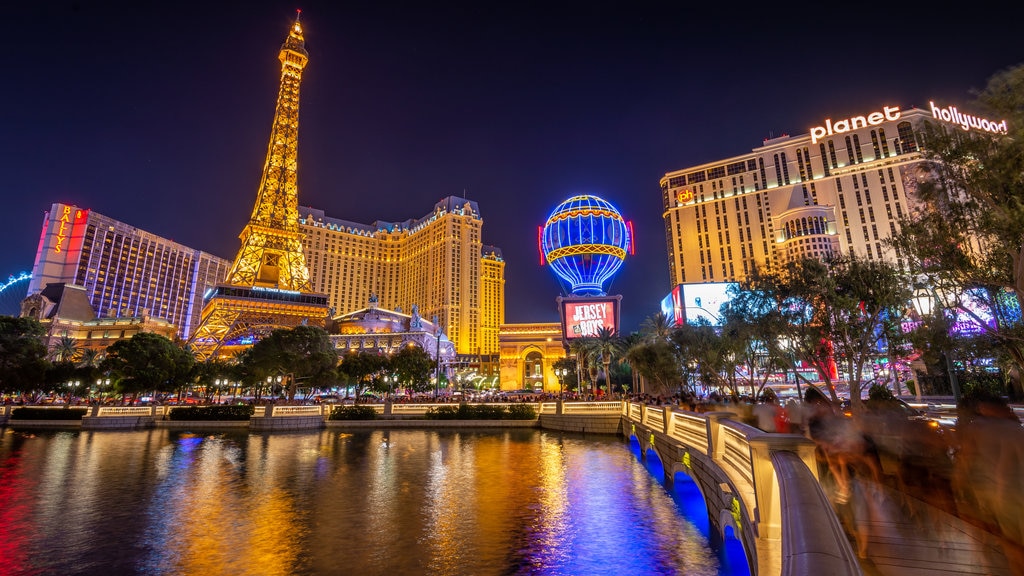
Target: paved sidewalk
pixel 900 535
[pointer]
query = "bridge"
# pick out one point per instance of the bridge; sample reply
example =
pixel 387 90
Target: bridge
pixel 764 486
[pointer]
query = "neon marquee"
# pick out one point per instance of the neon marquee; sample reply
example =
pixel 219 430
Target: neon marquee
pixel 64 230
pixel 888 113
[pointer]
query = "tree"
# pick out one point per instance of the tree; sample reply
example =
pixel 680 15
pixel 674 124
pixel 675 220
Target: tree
pixel 65 349
pixel 748 332
pixel 656 328
pixel 659 365
pixel 968 230
pixel 412 367
pixel 709 356
pixel 360 368
pixel 583 349
pixel 22 354
pixel 838 315
pixel 60 378
pixel 754 316
pixel 608 346
pixel 147 362
pixel 569 380
pixel 299 353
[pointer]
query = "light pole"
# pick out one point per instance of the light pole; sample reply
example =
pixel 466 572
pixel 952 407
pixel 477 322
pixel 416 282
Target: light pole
pixel 437 358
pixel 560 373
pixel 924 302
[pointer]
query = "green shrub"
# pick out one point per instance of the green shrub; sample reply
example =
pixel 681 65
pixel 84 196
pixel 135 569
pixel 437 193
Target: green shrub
pixel 521 412
pixel 482 412
pixel 443 413
pixel 353 413
pixel 234 412
pixel 47 414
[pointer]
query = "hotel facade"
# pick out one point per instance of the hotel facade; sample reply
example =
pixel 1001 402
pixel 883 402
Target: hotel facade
pixel 125 272
pixel 437 263
pixel 841 188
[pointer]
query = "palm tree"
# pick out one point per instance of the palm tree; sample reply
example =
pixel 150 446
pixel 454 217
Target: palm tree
pixel 583 349
pixel 65 349
pixel 607 346
pixel 657 327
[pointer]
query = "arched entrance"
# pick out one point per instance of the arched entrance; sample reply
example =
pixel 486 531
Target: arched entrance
pixel 533 371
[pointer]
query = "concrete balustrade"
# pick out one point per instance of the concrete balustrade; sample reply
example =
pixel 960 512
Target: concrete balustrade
pixel 762 485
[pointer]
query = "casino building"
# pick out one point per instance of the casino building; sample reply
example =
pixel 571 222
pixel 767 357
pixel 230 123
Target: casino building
pixel 124 272
pixel 436 263
pixel 842 187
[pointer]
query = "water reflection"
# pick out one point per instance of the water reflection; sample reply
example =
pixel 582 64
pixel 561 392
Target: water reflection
pixel 378 502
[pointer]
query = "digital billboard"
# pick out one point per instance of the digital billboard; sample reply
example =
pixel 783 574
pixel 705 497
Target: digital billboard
pixel 672 306
pixel 584 317
pixel 705 301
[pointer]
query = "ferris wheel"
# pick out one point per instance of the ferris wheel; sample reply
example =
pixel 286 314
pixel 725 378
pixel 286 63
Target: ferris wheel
pixel 12 292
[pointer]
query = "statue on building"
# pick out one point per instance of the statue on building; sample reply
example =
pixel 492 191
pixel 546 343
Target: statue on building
pixel 416 323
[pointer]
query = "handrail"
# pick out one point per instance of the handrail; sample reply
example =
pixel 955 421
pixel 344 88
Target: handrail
pixel 813 540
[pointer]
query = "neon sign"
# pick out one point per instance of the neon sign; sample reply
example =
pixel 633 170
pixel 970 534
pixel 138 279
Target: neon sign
pixel 64 230
pixel 888 113
pixel 684 196
pixel 966 121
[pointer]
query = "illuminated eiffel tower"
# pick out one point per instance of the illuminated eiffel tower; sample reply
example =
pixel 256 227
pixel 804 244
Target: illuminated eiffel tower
pixel 268 286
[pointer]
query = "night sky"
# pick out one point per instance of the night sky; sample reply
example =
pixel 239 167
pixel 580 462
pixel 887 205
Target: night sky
pixel 158 113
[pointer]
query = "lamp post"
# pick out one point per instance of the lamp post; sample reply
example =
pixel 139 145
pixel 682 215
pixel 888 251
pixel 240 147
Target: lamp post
pixel 924 302
pixel 437 358
pixel 560 374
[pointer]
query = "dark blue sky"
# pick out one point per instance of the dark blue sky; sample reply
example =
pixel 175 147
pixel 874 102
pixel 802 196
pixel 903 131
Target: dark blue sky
pixel 157 113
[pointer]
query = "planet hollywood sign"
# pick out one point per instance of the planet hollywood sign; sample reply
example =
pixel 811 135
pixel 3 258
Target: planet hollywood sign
pixel 949 114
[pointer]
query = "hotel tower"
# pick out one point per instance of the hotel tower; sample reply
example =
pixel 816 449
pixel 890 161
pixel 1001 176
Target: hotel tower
pixel 436 262
pixel 842 187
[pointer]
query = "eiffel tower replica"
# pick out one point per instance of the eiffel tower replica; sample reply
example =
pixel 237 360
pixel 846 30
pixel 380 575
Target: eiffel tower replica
pixel 268 286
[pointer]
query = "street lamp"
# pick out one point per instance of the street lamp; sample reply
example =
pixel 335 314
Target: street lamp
pixel 560 373
pixel 924 301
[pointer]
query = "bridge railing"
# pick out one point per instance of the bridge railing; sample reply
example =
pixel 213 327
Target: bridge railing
pixel 775 476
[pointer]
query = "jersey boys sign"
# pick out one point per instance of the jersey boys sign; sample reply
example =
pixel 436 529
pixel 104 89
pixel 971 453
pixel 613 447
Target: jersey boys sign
pixel 585 317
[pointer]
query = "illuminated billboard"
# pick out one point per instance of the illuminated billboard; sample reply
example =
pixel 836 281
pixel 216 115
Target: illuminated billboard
pixel 585 317
pixel 672 306
pixel 705 301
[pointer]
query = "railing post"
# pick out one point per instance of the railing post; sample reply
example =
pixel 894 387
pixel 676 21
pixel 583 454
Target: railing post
pixel 765 482
pixel 714 428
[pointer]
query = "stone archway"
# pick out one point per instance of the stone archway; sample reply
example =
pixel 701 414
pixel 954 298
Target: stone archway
pixel 533 370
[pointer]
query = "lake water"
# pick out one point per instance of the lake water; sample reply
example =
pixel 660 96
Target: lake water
pixel 163 502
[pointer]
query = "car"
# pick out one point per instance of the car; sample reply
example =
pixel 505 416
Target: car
pixel 327 399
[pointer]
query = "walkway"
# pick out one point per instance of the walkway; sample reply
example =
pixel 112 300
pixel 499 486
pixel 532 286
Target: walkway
pixel 906 536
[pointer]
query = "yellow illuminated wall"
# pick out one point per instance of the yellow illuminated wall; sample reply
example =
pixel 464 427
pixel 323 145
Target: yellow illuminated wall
pixel 436 263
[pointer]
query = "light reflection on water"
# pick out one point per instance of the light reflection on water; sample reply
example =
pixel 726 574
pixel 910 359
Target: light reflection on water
pixel 160 502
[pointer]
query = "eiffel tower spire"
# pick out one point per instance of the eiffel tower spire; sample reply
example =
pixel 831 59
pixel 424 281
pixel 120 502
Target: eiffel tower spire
pixel 268 285
pixel 271 253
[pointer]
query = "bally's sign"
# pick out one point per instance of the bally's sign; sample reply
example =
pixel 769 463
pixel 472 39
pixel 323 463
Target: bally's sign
pixel 892 113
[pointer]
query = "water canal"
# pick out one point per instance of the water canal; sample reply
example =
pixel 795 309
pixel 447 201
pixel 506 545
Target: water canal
pixel 164 502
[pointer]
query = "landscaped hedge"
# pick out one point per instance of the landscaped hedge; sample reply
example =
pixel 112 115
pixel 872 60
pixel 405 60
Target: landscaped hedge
pixel 353 413
pixel 47 414
pixel 226 412
pixel 482 412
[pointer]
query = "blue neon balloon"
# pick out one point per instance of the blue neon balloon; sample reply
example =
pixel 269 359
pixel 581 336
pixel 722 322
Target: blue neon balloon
pixel 585 241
